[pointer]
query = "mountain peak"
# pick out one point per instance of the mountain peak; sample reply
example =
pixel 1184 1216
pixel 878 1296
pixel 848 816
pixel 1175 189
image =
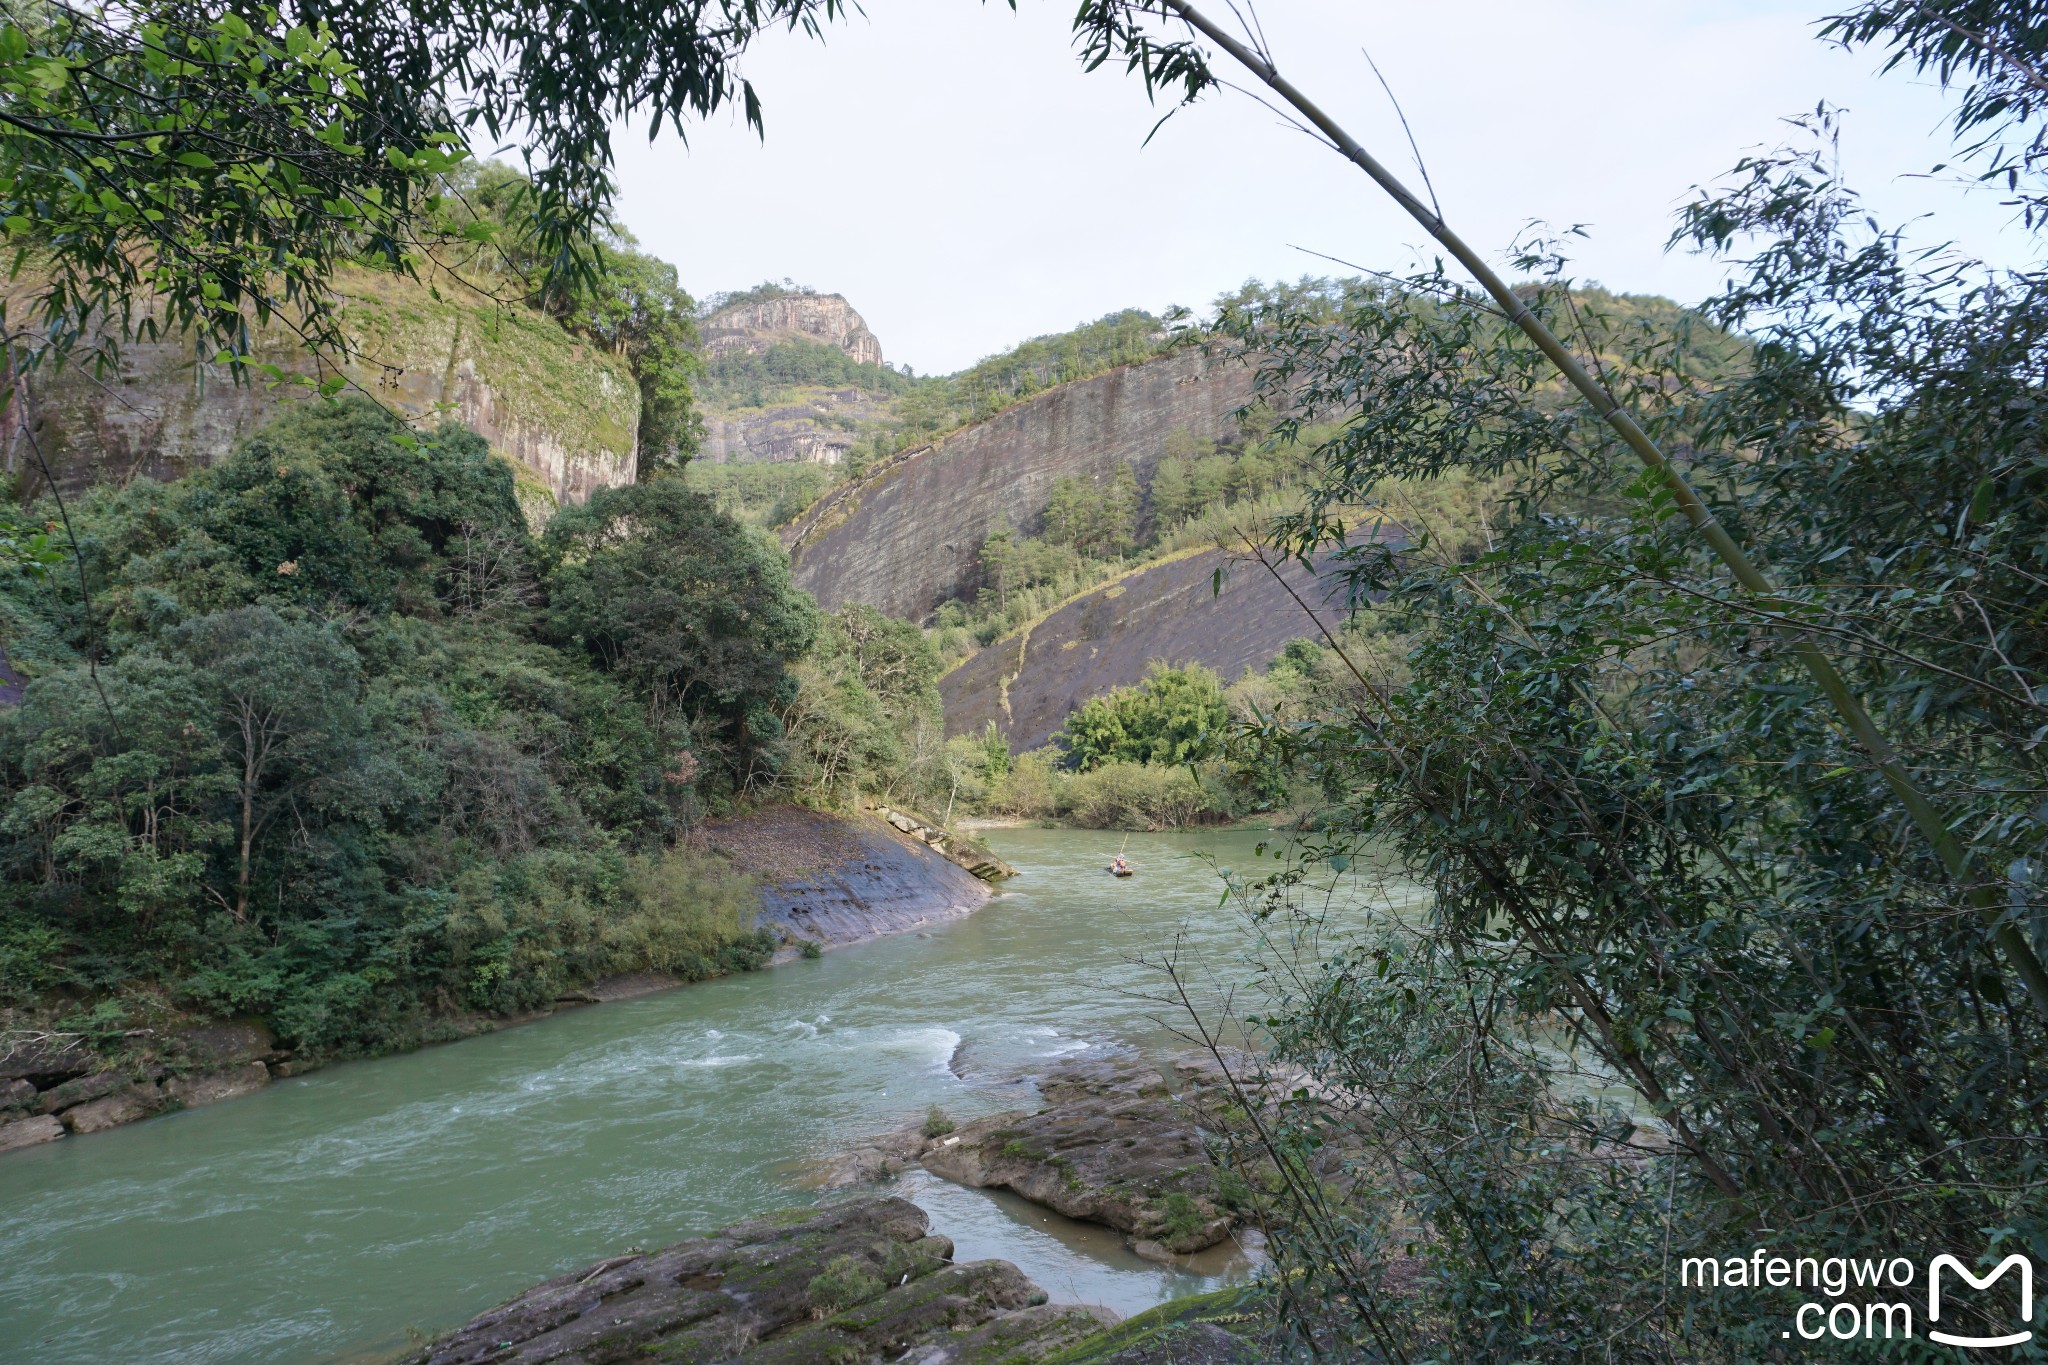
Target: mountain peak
pixel 757 324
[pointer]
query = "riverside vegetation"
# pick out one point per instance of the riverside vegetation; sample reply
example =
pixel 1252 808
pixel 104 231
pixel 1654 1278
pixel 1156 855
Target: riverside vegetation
pixel 338 741
pixel 1694 976
pixel 1658 864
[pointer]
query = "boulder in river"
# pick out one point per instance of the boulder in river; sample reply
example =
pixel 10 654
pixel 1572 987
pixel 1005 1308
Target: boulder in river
pixel 1112 1147
pixel 30 1131
pixel 856 1283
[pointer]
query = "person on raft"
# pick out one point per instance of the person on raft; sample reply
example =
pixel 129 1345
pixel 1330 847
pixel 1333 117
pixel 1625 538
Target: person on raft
pixel 1120 867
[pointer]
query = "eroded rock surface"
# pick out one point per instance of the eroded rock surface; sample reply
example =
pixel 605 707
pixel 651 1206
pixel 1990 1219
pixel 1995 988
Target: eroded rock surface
pixel 908 533
pixel 832 880
pixel 214 1086
pixel 851 1284
pixel 125 1105
pixel 1112 1146
pixel 30 1132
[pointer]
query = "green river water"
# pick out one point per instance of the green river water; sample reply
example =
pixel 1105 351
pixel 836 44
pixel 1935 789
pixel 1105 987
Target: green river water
pixel 321 1218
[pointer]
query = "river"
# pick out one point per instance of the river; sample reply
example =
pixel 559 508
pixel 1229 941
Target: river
pixel 323 1217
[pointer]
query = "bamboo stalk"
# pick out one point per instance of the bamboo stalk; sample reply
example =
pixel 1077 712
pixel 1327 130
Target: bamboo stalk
pixel 1853 714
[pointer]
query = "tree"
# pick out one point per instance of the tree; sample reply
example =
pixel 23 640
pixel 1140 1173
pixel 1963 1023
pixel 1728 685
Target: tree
pixel 217 162
pixel 1171 502
pixel 999 562
pixel 866 703
pixel 692 610
pixel 1115 528
pixel 286 714
pixel 638 310
pixel 1208 477
pixel 115 801
pixel 1176 716
pixel 1068 511
pixel 340 502
pixel 1615 760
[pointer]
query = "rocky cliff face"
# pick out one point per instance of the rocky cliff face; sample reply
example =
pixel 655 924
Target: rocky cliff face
pixel 812 317
pixel 818 426
pixel 805 423
pixel 565 415
pixel 1027 683
pixel 908 535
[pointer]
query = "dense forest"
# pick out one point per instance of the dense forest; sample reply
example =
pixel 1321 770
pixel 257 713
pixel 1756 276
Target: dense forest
pixel 335 739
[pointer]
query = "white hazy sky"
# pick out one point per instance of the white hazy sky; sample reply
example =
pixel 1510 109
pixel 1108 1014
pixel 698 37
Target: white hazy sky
pixel 948 167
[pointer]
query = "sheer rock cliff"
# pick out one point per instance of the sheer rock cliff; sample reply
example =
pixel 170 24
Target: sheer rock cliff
pixel 812 317
pixel 565 415
pixel 907 535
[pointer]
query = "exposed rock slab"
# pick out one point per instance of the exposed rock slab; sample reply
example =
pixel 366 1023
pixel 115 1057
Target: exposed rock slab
pixel 45 1061
pixel 30 1132
pixel 81 1091
pixel 833 880
pixel 132 1102
pixel 1111 1147
pixel 908 534
pixel 852 1284
pixel 1025 1335
pixel 213 1086
pixel 566 413
pixel 958 848
pixel 756 326
pixel 1027 683
pixel 228 1042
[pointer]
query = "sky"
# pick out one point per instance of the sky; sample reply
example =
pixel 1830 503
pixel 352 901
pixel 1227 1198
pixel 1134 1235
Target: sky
pixel 949 168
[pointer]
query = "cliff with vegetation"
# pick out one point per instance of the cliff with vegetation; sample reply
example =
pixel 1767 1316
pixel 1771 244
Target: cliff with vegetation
pixel 758 323
pixel 791 377
pixel 1028 682
pixel 563 412
pixel 909 534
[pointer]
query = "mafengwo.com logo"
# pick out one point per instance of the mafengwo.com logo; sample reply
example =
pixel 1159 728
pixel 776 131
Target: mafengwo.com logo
pixel 1874 1299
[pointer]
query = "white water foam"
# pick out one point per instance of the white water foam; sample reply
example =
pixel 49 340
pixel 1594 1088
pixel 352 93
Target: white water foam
pixel 934 1044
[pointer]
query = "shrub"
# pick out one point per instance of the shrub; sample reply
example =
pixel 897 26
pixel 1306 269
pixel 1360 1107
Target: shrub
pixel 844 1282
pixel 1120 795
pixel 1028 789
pixel 938 1123
pixel 748 953
pixel 688 904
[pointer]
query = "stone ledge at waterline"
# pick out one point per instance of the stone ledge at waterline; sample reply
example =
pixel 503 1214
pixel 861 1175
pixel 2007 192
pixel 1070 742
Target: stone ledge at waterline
pixel 852 1283
pixel 856 1283
pixel 1114 1144
pixel 51 1089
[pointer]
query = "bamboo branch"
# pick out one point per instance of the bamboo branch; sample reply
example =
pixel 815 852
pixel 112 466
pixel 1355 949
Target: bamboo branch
pixel 1985 899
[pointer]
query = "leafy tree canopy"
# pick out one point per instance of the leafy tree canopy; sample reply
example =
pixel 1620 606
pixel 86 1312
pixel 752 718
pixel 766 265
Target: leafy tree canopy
pixel 691 609
pixel 1176 716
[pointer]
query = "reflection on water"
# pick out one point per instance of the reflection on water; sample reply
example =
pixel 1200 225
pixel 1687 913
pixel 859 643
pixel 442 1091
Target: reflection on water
pixel 325 1215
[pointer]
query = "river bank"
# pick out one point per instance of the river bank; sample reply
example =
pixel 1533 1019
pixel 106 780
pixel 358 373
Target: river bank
pixel 321 1217
pixel 855 1283
pixel 1113 1140
pixel 827 881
